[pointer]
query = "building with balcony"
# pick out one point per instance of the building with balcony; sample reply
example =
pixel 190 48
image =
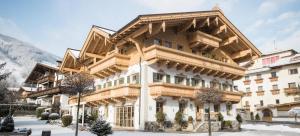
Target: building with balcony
pixel 43 87
pixel 160 62
pixel 271 84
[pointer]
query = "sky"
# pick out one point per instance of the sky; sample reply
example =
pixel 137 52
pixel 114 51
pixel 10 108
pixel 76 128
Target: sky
pixel 55 25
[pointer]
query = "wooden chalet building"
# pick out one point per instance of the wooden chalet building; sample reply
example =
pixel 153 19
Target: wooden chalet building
pixel 159 62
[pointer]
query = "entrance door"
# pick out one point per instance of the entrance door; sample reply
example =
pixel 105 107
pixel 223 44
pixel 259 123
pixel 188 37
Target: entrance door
pixel 267 115
pixel 124 116
pixel 199 112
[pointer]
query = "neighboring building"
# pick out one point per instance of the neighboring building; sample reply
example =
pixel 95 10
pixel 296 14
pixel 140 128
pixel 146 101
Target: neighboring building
pixel 159 62
pixel 42 87
pixel 271 84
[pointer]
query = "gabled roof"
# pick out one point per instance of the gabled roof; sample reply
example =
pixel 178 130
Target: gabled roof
pixel 39 70
pixel 70 54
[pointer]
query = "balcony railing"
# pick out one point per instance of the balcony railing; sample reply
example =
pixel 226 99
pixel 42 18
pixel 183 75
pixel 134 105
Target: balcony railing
pixel 275 91
pixel 44 79
pixel 259 80
pixel 188 61
pixel 260 93
pixel 273 79
pixel 175 90
pixel 48 91
pixel 247 82
pixel 110 95
pixel 200 38
pixel 109 65
pixel 291 91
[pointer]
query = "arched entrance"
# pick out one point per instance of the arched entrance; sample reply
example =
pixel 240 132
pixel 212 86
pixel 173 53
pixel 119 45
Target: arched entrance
pixel 267 115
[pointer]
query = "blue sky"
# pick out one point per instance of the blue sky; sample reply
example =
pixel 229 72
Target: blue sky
pixel 54 25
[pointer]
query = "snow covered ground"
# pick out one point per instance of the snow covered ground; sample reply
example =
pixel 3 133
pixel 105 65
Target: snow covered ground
pixel 248 130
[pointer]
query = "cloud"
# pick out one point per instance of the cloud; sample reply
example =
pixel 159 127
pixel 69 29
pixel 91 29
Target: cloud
pixel 10 28
pixel 269 6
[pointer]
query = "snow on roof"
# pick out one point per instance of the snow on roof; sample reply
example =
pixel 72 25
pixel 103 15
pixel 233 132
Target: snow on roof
pixel 109 31
pixel 75 52
pixel 257 70
pixel 29 89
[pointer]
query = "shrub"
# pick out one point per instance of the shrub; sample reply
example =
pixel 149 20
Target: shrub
pixel 220 117
pixel 54 116
pixel 55 107
pixel 39 111
pixel 239 118
pixel 7 124
pixel 45 116
pixel 179 118
pixel 257 117
pixel 160 117
pixel 101 128
pixel 227 124
pixel 93 117
pixel 251 116
pixel 190 119
pixel 66 120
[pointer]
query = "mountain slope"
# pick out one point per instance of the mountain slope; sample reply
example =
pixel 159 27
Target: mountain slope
pixel 21 58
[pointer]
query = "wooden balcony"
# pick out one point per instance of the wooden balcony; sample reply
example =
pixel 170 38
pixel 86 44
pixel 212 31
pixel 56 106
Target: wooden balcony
pixel 260 93
pixel 180 60
pixel 204 40
pixel 109 65
pixel 44 79
pixel 48 91
pixel 174 90
pixel 273 79
pixel 292 91
pixel 275 91
pixel 259 80
pixel 110 95
pixel 247 82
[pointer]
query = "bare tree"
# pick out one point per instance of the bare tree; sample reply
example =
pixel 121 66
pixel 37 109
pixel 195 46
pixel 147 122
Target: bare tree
pixel 208 96
pixel 3 75
pixel 77 84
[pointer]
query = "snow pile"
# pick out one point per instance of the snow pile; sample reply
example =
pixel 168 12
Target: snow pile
pixel 20 58
pixel 281 128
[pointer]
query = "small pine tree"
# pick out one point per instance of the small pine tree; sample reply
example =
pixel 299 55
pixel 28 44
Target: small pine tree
pixel 239 118
pixel 101 128
pixel 251 116
pixel 257 117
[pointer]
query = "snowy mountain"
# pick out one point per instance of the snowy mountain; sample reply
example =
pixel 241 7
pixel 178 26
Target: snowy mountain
pixel 20 58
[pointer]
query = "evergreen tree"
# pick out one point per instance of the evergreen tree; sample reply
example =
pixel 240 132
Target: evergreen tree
pixel 101 128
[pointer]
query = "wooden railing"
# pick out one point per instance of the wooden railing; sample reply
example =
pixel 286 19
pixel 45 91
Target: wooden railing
pixel 48 91
pixel 44 79
pixel 293 90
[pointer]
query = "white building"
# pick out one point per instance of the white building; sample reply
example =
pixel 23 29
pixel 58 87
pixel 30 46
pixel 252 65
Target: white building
pixel 160 62
pixel 271 84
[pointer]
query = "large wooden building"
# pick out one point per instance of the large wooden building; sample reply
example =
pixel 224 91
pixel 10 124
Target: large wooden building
pixel 159 62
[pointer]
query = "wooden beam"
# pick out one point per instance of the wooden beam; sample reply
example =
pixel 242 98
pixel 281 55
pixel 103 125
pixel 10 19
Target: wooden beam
pixel 220 29
pixel 150 28
pixel 135 34
pixel 71 70
pixel 216 21
pixel 241 54
pixel 171 64
pixel 187 25
pixel 138 47
pixel 230 40
pixel 205 22
pixel 157 28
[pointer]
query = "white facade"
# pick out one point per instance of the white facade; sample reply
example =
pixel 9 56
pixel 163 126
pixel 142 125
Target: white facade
pixel 281 63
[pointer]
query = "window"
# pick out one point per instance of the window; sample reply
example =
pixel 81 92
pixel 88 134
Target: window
pixel 225 87
pixel 247 77
pixel 136 78
pixel 270 60
pixel 115 82
pixel 195 82
pixel 109 84
pixel 248 89
pixel 293 71
pixel 187 81
pixel 104 85
pixel 235 88
pixel 128 79
pixel 273 74
pixel 275 87
pixel 178 80
pixel 99 87
pixel 260 88
pixel 157 77
pixel 228 109
pixel 258 76
pixel 168 78
pixel 159 106
pixel 292 85
pixel 194 51
pixel 247 103
pixel 179 47
pixel 168 44
pixel 157 41
pixel 277 101
pixel 182 107
pixel 261 103
pixel 121 81
pixel 203 83
pixel 216 108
